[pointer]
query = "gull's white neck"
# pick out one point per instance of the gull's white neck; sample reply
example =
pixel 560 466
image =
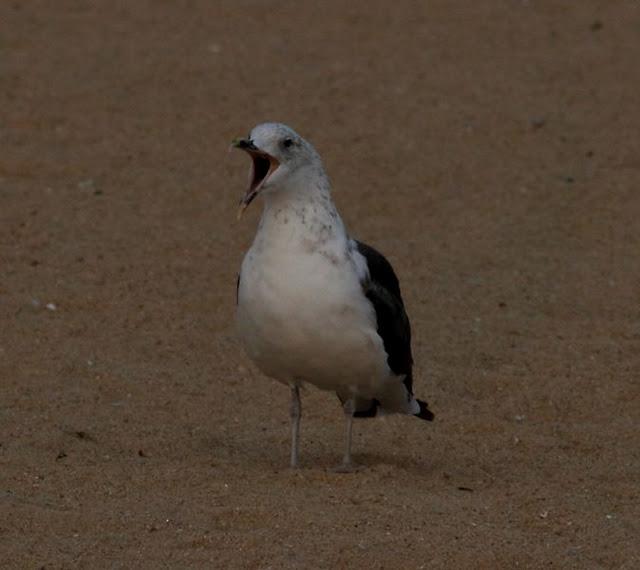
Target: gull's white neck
pixel 301 215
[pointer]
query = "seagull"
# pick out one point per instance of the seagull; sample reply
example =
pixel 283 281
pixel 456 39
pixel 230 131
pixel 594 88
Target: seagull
pixel 315 306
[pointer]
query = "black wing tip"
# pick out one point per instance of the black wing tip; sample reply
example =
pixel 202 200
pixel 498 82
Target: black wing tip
pixel 425 413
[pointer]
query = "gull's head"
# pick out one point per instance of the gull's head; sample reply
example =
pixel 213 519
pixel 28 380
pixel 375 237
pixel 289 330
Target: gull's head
pixel 278 156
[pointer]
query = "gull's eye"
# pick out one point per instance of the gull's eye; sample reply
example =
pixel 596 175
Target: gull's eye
pixel 286 143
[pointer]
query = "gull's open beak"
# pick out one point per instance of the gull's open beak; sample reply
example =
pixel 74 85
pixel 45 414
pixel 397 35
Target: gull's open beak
pixel 262 165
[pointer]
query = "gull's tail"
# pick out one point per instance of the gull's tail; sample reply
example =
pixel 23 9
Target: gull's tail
pixel 372 408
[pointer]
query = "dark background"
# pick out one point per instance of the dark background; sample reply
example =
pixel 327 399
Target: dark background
pixel 489 149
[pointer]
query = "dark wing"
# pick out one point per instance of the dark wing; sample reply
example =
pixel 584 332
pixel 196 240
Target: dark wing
pixel 237 287
pixel 383 291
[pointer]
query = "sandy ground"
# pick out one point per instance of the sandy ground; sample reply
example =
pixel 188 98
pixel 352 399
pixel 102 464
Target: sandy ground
pixel 489 149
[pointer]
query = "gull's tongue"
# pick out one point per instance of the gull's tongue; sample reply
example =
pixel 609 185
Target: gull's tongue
pixel 246 200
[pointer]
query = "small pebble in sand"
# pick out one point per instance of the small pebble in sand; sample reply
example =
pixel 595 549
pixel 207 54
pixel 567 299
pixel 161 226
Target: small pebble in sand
pixel 87 184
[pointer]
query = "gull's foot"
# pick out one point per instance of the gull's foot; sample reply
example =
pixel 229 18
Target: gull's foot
pixel 348 468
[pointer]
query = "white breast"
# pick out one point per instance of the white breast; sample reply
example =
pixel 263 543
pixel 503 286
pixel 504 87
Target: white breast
pixel 301 312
